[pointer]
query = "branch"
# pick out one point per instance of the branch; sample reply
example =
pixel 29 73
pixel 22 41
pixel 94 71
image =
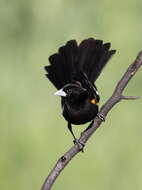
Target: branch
pixel 86 134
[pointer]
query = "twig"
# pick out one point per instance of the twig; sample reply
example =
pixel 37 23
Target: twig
pixel 86 134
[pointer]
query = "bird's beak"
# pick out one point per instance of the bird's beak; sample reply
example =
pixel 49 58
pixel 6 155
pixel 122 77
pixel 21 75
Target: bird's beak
pixel 60 93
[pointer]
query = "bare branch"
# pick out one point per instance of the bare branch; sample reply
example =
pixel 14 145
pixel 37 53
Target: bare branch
pixel 86 134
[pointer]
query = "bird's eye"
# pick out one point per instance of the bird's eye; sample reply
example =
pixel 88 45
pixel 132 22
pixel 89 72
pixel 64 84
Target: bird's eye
pixel 69 91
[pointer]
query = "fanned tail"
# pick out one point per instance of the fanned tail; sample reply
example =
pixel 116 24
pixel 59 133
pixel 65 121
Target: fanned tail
pixel 89 57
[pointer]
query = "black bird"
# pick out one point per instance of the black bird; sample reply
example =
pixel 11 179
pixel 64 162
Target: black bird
pixel 73 71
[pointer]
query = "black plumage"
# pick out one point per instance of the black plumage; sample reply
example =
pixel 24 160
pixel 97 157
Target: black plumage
pixel 74 69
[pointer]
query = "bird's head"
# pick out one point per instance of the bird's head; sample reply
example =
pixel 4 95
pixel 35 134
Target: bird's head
pixel 73 93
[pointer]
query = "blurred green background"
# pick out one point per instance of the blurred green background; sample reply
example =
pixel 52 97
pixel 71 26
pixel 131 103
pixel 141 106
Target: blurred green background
pixel 32 132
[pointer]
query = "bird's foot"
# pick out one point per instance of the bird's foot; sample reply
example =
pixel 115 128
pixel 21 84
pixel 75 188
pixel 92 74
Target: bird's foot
pixel 79 144
pixel 101 117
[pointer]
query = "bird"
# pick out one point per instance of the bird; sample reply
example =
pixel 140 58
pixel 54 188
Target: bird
pixel 73 70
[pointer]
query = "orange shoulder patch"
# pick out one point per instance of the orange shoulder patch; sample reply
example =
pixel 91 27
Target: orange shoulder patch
pixel 93 101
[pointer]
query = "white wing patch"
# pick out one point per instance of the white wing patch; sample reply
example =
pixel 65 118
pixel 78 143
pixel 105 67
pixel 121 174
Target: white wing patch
pixel 97 92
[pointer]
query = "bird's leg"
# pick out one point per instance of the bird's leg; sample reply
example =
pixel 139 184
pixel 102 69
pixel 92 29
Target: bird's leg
pixel 70 129
pixel 76 141
pixel 89 126
pixel 100 116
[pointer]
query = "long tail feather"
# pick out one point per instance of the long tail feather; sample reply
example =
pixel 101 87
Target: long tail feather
pixel 62 64
pixel 93 56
